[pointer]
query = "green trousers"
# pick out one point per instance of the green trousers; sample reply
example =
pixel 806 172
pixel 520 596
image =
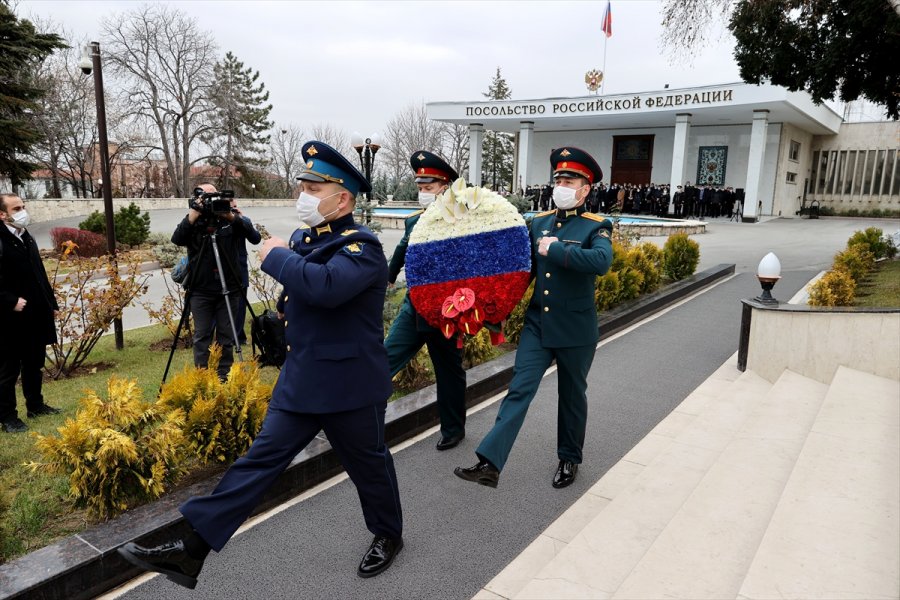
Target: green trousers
pixel 407 336
pixel 532 360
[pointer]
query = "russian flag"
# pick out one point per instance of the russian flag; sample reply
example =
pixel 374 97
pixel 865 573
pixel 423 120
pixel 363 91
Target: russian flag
pixel 607 20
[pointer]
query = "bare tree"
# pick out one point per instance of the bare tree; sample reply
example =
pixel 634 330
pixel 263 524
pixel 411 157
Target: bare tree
pixel 164 61
pixel 335 137
pixel 455 147
pixel 284 154
pixel 688 25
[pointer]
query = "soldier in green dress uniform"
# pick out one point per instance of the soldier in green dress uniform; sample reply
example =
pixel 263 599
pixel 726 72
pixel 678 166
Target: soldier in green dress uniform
pixel 410 331
pixel 570 248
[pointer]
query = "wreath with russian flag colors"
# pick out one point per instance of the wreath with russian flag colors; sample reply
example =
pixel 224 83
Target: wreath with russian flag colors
pixel 468 262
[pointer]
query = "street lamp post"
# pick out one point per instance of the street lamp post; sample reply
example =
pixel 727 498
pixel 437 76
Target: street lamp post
pixel 367 148
pixel 90 60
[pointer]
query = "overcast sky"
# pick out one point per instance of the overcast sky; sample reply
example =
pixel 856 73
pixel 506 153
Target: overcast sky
pixel 355 64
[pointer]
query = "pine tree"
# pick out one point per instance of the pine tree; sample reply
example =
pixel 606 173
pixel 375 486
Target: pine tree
pixel 241 118
pixel 499 147
pixel 22 50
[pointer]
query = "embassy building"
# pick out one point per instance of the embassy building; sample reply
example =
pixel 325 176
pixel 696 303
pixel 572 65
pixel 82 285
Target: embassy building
pixel 776 148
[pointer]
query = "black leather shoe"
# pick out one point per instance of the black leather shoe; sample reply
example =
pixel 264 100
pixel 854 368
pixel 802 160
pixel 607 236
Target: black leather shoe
pixel 565 474
pixel 43 410
pixel 379 556
pixel 450 442
pixel 484 473
pixel 170 559
pixel 14 426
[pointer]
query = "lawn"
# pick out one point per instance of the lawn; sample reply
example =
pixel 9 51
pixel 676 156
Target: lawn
pixel 881 287
pixel 34 507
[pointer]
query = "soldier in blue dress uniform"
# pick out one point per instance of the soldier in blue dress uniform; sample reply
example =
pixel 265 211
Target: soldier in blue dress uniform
pixel 570 247
pixel 410 331
pixel 335 378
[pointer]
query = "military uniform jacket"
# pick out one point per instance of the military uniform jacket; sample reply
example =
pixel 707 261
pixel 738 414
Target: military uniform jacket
pixel 562 308
pixel 398 259
pixel 334 279
pixel 22 275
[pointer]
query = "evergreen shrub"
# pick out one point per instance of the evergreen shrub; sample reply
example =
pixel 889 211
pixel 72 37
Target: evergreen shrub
pixel 118 451
pixel 681 255
pixel 834 288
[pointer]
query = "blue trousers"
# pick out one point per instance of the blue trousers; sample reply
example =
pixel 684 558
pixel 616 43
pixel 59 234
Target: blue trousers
pixel 532 360
pixel 405 339
pixel 357 437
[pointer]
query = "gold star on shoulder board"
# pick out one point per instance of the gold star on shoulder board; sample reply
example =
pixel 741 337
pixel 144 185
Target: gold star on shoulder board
pixel 565 152
pixel 312 151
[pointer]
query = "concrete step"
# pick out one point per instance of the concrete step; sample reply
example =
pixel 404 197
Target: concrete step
pixel 836 530
pixel 600 557
pixel 545 547
pixel 707 547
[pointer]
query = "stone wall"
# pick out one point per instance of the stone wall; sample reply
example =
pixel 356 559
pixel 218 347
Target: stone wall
pixel 46 210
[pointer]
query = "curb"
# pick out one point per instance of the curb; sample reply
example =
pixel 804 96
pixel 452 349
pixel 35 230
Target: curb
pixel 87 564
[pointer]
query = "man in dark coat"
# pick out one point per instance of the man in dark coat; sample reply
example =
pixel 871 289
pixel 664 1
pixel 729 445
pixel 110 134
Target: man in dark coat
pixel 335 378
pixel 28 308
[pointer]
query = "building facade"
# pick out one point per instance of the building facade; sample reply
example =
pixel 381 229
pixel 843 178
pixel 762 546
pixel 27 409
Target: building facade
pixel 773 146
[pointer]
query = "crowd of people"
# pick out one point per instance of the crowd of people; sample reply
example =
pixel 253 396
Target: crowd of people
pixel 687 202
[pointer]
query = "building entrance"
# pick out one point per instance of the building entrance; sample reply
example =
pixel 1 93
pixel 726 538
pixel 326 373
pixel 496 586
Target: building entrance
pixel 632 159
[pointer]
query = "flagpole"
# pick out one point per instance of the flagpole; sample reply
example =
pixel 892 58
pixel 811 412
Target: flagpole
pixel 603 81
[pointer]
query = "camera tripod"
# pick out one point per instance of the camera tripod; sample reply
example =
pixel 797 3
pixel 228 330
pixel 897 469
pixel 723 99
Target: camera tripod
pixel 209 239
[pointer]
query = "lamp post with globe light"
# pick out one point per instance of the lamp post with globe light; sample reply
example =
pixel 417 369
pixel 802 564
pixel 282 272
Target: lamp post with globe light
pixel 366 148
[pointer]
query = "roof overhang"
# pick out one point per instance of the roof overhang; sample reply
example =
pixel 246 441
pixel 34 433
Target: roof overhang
pixel 729 104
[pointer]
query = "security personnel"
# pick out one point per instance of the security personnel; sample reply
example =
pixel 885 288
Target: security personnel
pixel 570 247
pixel 335 378
pixel 410 331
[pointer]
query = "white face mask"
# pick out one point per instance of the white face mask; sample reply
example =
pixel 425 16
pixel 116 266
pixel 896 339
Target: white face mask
pixel 426 198
pixel 20 220
pixel 308 209
pixel 564 197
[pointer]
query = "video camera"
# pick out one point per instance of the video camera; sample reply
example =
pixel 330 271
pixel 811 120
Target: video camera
pixel 211 203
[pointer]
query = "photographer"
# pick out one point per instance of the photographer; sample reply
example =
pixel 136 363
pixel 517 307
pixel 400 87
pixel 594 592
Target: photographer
pixel 210 215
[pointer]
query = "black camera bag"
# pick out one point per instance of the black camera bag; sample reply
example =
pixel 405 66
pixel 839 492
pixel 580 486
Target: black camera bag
pixel 267 335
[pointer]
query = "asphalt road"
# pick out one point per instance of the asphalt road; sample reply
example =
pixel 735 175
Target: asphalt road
pixel 459 535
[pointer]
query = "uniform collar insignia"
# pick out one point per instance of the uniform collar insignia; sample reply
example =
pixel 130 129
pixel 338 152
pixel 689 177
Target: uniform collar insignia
pixel 323 229
pixel 571 213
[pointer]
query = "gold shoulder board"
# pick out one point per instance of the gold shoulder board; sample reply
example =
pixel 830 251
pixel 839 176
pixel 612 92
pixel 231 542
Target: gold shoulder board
pixel 545 213
pixel 593 217
pixel 415 214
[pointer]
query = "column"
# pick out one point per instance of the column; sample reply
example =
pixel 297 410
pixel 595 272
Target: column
pixel 679 154
pixel 755 165
pixel 476 139
pixel 526 141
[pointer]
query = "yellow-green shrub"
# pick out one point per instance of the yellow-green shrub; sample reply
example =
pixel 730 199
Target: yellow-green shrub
pixel 512 327
pixel 834 288
pixel 118 451
pixel 606 290
pixel 857 260
pixel 478 349
pixel 416 374
pixel 646 258
pixel 222 418
pixel 875 242
pixel 681 255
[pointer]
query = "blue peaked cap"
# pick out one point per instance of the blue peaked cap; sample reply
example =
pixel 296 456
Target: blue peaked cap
pixel 323 163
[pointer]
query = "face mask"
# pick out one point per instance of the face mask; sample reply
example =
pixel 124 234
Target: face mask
pixel 565 198
pixel 20 220
pixel 425 198
pixel 308 209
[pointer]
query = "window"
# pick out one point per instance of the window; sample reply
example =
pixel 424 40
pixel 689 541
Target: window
pixel 794 151
pixel 791 177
